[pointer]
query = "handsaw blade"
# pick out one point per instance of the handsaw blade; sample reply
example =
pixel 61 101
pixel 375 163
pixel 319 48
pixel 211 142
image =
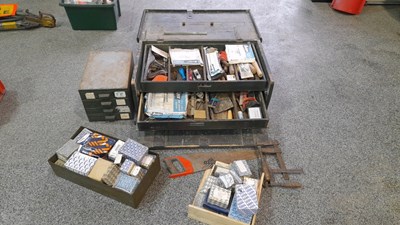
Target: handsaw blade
pixel 195 162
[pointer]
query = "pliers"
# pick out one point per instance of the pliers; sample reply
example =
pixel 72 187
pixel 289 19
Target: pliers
pixel 23 19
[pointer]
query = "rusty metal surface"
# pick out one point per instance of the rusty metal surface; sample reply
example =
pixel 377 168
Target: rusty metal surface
pixel 187 139
pixel 272 148
pixel 107 70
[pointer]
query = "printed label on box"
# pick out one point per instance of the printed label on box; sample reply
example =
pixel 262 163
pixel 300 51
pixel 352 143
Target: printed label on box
pixel 120 94
pixel 114 151
pixel 254 113
pixel 124 109
pixel 125 116
pixel 121 102
pixel 230 77
pixel 90 95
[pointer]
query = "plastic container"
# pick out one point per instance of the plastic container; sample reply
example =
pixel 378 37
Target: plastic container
pixel 93 17
pixel 349 6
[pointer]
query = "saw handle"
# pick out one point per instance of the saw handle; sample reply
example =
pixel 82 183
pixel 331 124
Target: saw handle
pixel 173 162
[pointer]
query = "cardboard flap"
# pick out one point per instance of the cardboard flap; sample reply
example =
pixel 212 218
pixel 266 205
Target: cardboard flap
pixel 197 25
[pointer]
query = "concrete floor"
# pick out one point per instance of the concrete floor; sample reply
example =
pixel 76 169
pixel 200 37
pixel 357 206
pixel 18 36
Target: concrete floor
pixel 335 110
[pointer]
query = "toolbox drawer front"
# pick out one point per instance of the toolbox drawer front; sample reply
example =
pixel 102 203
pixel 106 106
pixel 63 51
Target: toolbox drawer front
pixel 109 116
pixel 204 84
pixel 106 103
pixel 116 109
pixel 145 124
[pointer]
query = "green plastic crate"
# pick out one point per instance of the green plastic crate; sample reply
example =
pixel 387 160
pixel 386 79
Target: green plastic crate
pixel 93 17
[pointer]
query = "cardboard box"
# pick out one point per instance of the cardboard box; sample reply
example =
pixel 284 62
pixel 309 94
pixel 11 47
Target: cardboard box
pixel 209 217
pixel 132 200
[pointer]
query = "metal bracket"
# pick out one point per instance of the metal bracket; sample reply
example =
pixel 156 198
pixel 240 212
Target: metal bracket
pixel 272 148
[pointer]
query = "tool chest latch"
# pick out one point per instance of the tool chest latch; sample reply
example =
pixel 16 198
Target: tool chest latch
pixel 189 14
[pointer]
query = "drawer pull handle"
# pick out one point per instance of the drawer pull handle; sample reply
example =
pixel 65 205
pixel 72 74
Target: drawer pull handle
pixel 105 103
pixel 110 117
pixel 104 95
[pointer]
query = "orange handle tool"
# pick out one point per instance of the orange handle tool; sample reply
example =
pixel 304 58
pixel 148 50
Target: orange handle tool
pixel 178 166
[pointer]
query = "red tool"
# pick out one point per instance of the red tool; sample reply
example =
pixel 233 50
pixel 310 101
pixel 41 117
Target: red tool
pixel 183 165
pixel 2 90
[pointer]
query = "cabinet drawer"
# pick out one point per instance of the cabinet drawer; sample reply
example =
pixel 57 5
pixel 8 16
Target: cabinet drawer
pixel 109 116
pixel 116 109
pixel 106 103
pixel 175 83
pixel 211 121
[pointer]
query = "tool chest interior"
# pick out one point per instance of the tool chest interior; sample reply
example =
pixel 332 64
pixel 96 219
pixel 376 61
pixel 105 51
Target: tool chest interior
pixel 201 30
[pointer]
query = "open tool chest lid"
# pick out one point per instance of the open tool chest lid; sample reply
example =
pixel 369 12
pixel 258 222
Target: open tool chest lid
pixel 197 25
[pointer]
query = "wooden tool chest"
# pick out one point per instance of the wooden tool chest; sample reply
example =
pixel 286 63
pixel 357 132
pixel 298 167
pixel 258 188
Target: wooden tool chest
pixel 168 30
pixel 105 87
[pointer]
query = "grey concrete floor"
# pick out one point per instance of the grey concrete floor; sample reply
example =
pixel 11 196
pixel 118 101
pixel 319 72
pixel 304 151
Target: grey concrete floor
pixel 335 110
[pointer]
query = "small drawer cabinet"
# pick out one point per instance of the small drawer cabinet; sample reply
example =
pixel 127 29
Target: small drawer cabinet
pixel 105 86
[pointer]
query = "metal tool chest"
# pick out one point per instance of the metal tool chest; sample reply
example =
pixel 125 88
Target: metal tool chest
pixel 166 29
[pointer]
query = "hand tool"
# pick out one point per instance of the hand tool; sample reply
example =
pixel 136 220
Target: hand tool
pixel 183 165
pixel 23 19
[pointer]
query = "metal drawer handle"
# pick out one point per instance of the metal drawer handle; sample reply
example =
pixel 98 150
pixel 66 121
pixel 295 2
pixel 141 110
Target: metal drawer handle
pixel 110 117
pixel 105 103
pixel 104 95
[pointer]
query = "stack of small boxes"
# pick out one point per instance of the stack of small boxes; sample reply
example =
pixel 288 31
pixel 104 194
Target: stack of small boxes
pixel 105 86
pixel 119 164
pixel 230 191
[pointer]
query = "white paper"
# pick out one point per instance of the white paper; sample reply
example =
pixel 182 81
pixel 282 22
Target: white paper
pixel 166 105
pixel 185 56
pixel 239 53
